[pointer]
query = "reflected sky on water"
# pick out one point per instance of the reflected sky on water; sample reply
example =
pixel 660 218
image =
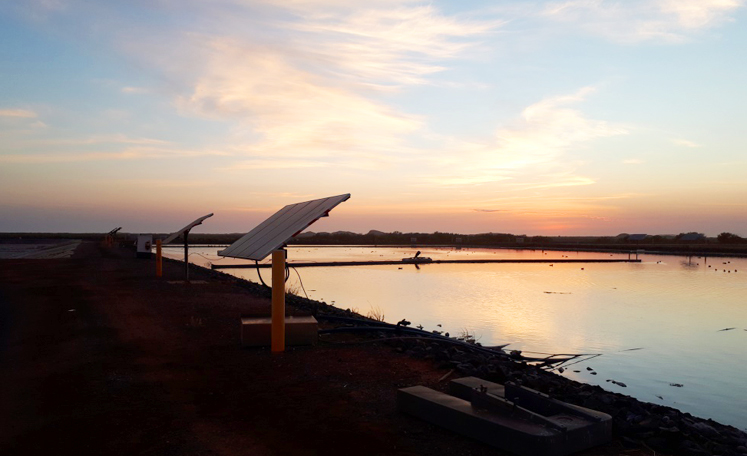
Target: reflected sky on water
pixel 656 323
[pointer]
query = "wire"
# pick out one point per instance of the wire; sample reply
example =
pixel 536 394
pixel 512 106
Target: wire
pixel 259 274
pixel 301 282
pixel 207 258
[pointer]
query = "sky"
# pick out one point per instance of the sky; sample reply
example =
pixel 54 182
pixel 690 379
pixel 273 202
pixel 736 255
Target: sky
pixel 580 117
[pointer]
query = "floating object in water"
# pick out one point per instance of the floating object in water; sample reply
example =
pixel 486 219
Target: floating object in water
pixel 676 385
pixel 417 259
pixel 660 397
pixel 726 329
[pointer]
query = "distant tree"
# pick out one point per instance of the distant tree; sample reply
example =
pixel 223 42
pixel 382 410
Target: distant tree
pixel 729 238
pixel 691 234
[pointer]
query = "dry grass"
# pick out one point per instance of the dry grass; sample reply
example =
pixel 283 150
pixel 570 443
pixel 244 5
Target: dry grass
pixel 467 336
pixel 376 313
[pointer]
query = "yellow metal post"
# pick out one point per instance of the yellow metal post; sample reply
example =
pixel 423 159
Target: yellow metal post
pixel 278 301
pixel 159 264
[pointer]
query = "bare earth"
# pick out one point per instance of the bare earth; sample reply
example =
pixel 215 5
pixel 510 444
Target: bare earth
pixel 100 357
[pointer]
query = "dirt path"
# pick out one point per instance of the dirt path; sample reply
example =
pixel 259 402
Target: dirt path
pixel 98 356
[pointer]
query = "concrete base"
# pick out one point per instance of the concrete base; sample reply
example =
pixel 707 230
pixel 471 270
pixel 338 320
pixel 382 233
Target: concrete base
pixel 561 429
pixel 255 332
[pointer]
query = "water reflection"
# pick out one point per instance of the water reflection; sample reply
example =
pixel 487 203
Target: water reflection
pixel 670 309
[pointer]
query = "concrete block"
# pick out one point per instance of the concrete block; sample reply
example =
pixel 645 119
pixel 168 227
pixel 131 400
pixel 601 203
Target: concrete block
pixel 504 426
pixel 255 332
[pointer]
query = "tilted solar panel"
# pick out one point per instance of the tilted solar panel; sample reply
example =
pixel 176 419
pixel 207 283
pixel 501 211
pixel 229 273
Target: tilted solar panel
pixel 176 234
pixel 283 225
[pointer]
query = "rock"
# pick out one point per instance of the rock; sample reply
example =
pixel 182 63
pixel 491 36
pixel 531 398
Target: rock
pixel 690 448
pixel 705 430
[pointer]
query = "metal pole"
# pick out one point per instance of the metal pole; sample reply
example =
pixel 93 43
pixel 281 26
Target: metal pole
pixel 159 264
pixel 186 254
pixel 278 301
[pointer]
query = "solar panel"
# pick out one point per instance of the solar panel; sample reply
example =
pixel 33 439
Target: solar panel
pixel 283 225
pixel 176 234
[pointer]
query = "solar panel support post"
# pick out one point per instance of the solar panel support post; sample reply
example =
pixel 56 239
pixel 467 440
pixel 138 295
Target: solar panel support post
pixel 159 259
pixel 278 301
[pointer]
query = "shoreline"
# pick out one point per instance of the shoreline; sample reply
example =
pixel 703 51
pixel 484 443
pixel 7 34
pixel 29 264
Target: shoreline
pixel 637 423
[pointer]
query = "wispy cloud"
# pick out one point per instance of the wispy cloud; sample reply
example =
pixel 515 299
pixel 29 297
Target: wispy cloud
pixel 23 113
pixel 643 20
pixel 530 148
pixel 117 138
pixel 134 90
pixel 390 45
pixel 685 143
pixel 130 153
pixel 312 77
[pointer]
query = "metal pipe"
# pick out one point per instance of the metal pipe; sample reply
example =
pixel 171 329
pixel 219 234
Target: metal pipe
pixel 402 263
pixel 186 254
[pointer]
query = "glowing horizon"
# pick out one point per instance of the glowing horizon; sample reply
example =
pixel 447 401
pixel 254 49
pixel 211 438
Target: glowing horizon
pixel 539 118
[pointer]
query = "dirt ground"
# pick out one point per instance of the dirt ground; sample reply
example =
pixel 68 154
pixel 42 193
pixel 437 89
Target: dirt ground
pixel 100 357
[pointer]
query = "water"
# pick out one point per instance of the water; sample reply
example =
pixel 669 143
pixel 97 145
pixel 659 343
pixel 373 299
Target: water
pixel 655 323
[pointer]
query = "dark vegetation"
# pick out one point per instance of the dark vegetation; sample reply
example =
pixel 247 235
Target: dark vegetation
pixel 692 243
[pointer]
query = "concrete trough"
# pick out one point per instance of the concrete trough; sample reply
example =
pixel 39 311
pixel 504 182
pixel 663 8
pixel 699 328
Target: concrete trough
pixel 256 332
pixel 560 429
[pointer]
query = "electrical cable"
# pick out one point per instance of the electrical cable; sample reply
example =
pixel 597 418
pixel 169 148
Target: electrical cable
pixel 207 258
pixel 301 282
pixel 259 274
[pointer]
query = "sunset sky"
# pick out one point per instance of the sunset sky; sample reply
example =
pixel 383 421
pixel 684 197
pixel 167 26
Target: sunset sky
pixel 529 117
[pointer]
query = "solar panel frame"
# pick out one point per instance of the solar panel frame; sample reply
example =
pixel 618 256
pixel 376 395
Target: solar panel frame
pixel 275 231
pixel 176 234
